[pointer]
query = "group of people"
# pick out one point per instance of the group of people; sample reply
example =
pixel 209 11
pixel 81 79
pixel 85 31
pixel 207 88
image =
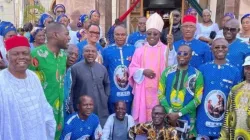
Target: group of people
pixel 57 83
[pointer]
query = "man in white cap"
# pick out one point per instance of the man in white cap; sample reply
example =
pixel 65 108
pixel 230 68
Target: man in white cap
pixel 237 117
pixel 146 67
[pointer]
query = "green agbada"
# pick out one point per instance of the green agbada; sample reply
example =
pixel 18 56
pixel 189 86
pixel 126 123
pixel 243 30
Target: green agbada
pixel 50 70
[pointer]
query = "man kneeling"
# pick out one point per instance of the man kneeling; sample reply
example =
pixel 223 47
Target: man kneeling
pixel 84 124
pixel 157 129
pixel 118 124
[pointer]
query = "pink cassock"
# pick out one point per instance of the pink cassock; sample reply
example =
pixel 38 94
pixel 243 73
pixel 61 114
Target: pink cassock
pixel 144 89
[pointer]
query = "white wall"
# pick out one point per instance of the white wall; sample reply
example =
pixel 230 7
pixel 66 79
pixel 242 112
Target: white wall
pixel 7 11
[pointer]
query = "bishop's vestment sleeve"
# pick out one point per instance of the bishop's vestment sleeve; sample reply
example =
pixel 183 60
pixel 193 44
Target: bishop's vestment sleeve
pixel 193 104
pixel 161 92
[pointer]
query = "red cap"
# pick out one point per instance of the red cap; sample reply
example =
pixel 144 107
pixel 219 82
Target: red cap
pixel 189 18
pixel 16 41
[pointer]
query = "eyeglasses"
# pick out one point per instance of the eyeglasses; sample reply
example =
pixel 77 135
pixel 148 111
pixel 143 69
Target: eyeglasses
pixel 93 32
pixel 182 53
pixel 226 29
pixel 152 33
pixel 176 15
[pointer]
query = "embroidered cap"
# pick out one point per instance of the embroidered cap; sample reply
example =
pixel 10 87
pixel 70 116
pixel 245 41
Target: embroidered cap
pixel 16 41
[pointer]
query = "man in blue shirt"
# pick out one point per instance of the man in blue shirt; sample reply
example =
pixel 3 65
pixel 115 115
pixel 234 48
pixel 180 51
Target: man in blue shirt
pixel 138 38
pixel 117 58
pixel 93 34
pixel 84 124
pixel 200 51
pixel 110 34
pixel 237 49
pixel 219 78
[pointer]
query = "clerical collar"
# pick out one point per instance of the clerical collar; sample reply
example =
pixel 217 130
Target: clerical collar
pixel 154 45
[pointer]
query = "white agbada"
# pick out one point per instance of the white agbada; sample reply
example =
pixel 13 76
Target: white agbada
pixel 25 113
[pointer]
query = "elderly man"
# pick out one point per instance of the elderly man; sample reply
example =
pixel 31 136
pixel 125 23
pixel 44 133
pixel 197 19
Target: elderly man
pixel 118 124
pixel 237 50
pixel 91 78
pixel 93 34
pixel 117 58
pixel 72 55
pixel 219 78
pixel 24 111
pixel 49 63
pixel 237 118
pixel 157 129
pixel 200 51
pixel 176 31
pixel 145 69
pixel 180 89
pixel 138 39
pixel 84 124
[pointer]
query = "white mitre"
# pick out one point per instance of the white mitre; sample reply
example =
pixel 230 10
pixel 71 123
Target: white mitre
pixel 155 21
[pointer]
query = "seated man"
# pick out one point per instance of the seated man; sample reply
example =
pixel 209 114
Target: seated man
pixel 157 129
pixel 84 124
pixel 118 124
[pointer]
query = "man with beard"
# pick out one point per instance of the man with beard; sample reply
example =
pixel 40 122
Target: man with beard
pixel 176 31
pixel 180 90
pixel 148 62
pixel 237 50
pixel 49 63
pixel 157 129
pixel 25 113
pixel 200 50
pixel 93 34
pixel 91 78
pixel 117 58
pixel 72 55
pixel 118 124
pixel 219 78
pixel 139 38
pixel 84 124
pixel 237 117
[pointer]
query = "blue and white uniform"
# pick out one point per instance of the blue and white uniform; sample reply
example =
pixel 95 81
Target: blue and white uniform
pixel 137 39
pixel 116 60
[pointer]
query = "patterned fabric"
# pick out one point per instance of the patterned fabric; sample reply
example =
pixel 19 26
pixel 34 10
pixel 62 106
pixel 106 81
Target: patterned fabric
pixel 237 120
pixel 50 70
pixel 78 129
pixel 25 113
pixel 181 91
pixel 218 81
pixel 166 133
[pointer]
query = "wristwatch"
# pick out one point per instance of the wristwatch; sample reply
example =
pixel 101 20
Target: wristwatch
pixel 180 114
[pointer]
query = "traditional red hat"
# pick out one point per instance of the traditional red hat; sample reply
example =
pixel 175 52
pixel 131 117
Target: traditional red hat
pixel 189 18
pixel 16 41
